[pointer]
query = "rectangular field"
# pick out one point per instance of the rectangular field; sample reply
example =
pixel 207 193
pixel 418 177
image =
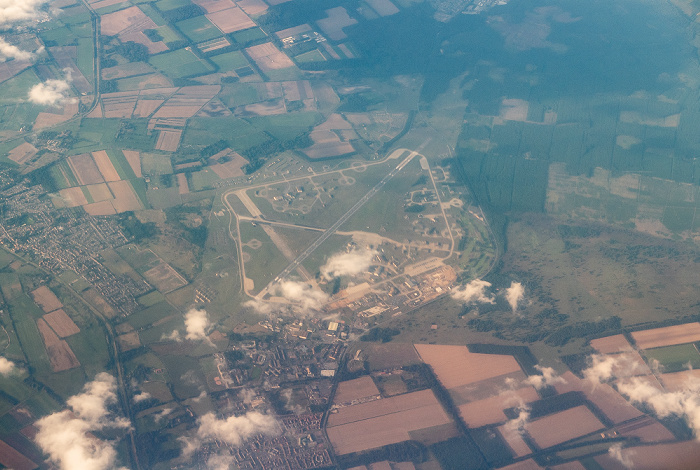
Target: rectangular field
pixel 675 358
pixel 109 173
pixel 231 20
pixel 168 140
pixel 355 389
pixel 563 426
pixel 61 323
pixel 611 344
pixel 682 380
pixel 60 354
pixel 382 422
pixel 46 299
pixel 84 169
pixel 455 366
pixel 490 410
pixel 667 336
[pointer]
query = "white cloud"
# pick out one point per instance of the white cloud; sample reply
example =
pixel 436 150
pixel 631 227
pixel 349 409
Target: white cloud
pixel 143 396
pixel 234 430
pixel 305 296
pixel 684 403
pixel 515 294
pixel 7 367
pixel 548 377
pixel 247 395
pixel 604 367
pixel 347 264
pixel 19 10
pixel 10 51
pixel 264 308
pixel 67 436
pixel 220 462
pixel 162 414
pixel 196 325
pixel 624 457
pixel 200 397
pixel 173 336
pixel 51 92
pixel 475 291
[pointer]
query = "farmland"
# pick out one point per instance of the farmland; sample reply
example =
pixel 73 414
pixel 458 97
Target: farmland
pixel 386 421
pixel 675 358
pixel 205 145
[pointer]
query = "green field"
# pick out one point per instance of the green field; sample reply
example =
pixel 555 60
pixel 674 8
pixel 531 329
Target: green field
pixel 17 87
pixel 180 63
pixel 266 262
pixel 154 164
pixel 675 358
pixel 167 5
pixel 168 34
pixel 248 35
pixel 287 126
pixel 151 315
pixel 230 61
pixel 311 56
pixel 198 29
pixel 90 347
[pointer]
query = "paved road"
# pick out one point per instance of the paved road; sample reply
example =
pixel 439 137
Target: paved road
pixel 344 218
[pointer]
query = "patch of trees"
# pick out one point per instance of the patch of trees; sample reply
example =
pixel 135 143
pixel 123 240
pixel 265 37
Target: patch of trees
pixel 153 35
pixel 258 155
pixel 43 177
pixel 414 208
pixel 213 149
pixel 234 356
pixel 458 453
pixel 380 334
pixel 182 13
pixel 579 231
pixel 132 51
pixel 108 86
pixel 582 329
pixel 136 229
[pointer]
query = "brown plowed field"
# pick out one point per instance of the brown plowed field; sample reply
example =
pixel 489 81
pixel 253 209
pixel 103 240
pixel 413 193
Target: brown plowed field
pixel 563 426
pixel 455 365
pixel 46 299
pixel 382 422
pixel 668 336
pixel 104 164
pixel 61 323
pixel 60 354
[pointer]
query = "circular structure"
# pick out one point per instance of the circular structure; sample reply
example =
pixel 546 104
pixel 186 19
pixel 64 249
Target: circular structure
pixel 346 180
pixel 254 244
pixel 358 167
pixel 246 257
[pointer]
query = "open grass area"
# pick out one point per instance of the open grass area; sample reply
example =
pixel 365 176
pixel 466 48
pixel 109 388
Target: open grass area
pixel 247 36
pixel 265 262
pixel 90 347
pixel 151 315
pixel 675 358
pixel 154 164
pixel 230 61
pixel 86 54
pixel 180 63
pixel 287 126
pixel 311 56
pixel 198 29
pixel 17 87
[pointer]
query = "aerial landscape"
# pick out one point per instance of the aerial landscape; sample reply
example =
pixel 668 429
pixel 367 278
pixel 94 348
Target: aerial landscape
pixel 349 234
